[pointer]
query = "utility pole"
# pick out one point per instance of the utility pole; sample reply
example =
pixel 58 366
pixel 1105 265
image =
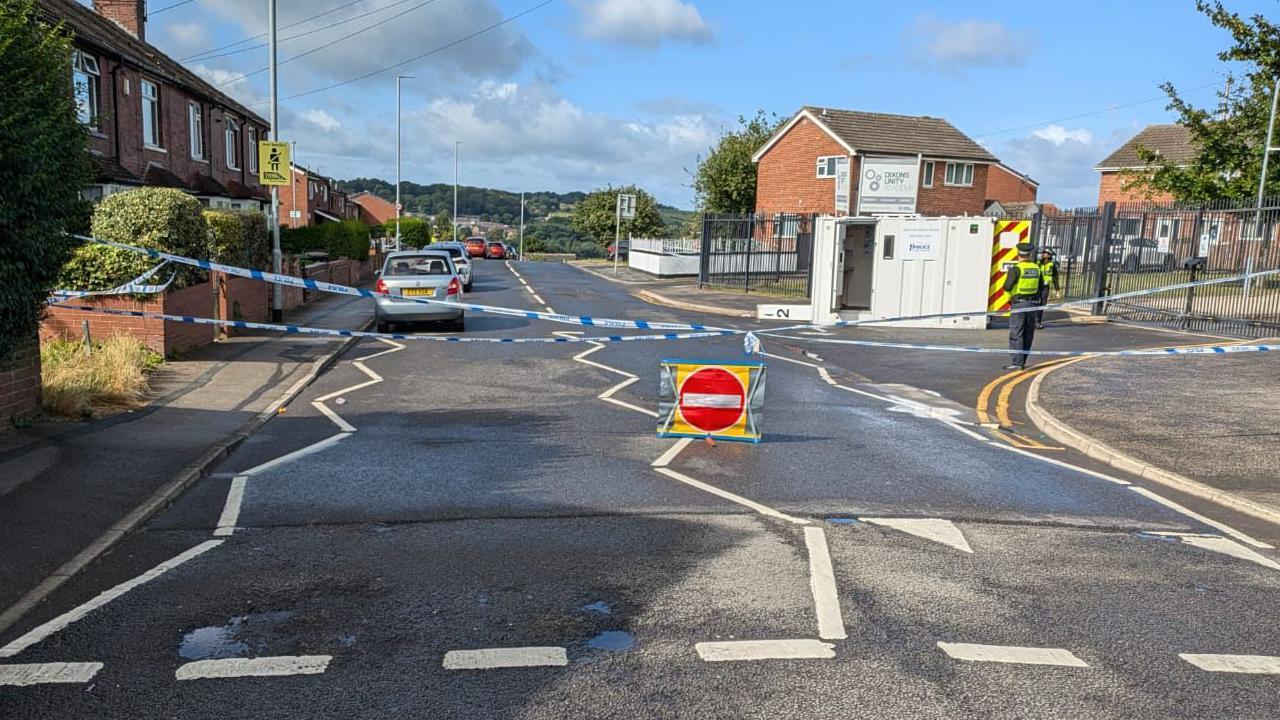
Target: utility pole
pixel 617 231
pixel 521 224
pixel 398 79
pixel 277 295
pixel 456 143
pixel 1262 185
pixel 293 186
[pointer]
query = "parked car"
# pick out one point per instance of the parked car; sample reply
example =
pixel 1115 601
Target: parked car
pixel 1138 254
pixel 495 251
pixel 458 252
pixel 427 274
pixel 511 251
pixel 475 246
pixel 612 249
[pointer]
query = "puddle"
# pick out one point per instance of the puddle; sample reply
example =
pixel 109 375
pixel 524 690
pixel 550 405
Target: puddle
pixel 612 640
pixel 598 606
pixel 232 639
pixel 347 640
pixel 844 521
pixel 1157 538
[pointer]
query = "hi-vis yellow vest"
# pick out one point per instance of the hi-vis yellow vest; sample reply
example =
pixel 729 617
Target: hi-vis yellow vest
pixel 1028 278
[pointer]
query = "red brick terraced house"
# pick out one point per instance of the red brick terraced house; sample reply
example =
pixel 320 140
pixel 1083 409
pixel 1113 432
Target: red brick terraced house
pixel 317 200
pixel 796 168
pixel 152 121
pixel 1171 142
pixel 373 209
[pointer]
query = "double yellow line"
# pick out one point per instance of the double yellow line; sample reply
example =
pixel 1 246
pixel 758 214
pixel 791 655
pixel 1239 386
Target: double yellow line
pixel 1006 384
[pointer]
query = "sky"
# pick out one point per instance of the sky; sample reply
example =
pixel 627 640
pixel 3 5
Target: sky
pixel 578 94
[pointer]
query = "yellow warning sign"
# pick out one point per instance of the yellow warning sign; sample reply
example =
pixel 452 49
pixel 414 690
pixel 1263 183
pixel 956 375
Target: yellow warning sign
pixel 273 163
pixel 722 400
pixel 1004 252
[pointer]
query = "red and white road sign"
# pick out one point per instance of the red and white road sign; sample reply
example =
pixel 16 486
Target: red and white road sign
pixel 712 399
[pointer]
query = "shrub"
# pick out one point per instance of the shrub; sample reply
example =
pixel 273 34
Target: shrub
pixel 414 232
pixel 239 237
pixel 160 218
pixel 45 164
pixel 346 239
pixel 114 375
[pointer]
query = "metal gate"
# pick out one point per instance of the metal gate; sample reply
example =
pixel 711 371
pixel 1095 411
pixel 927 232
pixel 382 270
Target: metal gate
pixel 766 254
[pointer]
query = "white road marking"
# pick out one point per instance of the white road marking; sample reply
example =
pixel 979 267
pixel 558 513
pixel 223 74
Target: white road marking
pixel 45 673
pixel 540 300
pixel 1011 654
pixel 822 581
pixel 1221 545
pixel 1059 463
pixel 492 658
pixel 935 529
pixel 300 452
pixel 1251 664
pixel 629 406
pixel 336 419
pixel 43 631
pixel 550 311
pixel 790 360
pixel 762 509
pixel 669 456
pixel 596 347
pixel 254 667
pixel 765 650
pixel 231 509
pixel 1197 516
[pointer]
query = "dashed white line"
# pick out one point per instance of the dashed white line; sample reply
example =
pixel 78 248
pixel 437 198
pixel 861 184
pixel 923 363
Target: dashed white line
pixel 1249 664
pixel 822 581
pixel 935 529
pixel 47 673
pixel 1012 654
pixel 731 497
pixel 254 667
pixel 494 658
pixel 1222 545
pixel 804 649
pixel 669 456
pixel 231 509
pixel 43 631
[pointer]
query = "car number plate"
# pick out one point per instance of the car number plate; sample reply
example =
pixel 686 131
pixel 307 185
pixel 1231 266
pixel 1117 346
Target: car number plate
pixel 417 292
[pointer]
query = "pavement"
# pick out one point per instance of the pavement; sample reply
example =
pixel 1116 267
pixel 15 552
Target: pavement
pixel 490 530
pixel 681 292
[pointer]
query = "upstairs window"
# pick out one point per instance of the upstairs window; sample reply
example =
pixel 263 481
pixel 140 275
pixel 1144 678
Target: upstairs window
pixel 827 166
pixel 959 174
pixel 928 174
pixel 84 80
pixel 150 113
pixel 253 149
pixel 233 144
pixel 195 123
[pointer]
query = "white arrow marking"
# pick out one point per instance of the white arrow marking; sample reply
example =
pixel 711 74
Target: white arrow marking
pixel 935 529
pixel 1222 545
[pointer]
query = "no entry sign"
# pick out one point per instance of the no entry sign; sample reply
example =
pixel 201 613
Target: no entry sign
pixel 711 399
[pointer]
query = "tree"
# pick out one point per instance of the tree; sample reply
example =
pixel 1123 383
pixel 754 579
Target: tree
pixel 726 178
pixel 45 164
pixel 595 215
pixel 1228 140
pixel 444 225
pixel 414 232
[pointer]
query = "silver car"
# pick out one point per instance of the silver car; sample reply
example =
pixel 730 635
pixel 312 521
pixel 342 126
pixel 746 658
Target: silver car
pixel 458 252
pixel 409 275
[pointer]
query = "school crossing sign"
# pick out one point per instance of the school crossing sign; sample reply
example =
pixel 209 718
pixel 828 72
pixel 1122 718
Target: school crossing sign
pixel 273 163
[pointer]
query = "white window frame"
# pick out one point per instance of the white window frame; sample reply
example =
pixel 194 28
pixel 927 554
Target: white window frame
pixel 826 166
pixel 232 142
pixel 958 174
pixel 928 174
pixel 151 112
pixel 195 126
pixel 86 73
pixel 253 148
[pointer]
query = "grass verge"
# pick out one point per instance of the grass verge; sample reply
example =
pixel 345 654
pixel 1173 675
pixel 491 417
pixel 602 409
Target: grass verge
pixel 113 375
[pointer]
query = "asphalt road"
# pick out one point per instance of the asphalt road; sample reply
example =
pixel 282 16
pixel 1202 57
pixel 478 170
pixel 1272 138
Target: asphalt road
pixel 486 498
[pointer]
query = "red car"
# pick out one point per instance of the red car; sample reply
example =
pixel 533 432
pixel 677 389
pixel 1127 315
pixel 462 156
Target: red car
pixel 475 246
pixel 496 251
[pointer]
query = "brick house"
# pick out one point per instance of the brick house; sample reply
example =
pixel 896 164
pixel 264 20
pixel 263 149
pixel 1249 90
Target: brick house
pixel 372 209
pixel 317 200
pixel 1172 142
pixel 152 121
pixel 1008 186
pixel 796 168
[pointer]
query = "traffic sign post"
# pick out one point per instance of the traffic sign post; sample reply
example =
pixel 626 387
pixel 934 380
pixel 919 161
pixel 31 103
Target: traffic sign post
pixel 625 209
pixel 704 399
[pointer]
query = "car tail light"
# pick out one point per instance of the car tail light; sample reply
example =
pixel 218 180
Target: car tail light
pixel 455 287
pixel 380 286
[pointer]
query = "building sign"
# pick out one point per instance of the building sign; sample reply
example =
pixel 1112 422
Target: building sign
pixel 888 185
pixel 842 186
pixel 627 207
pixel 921 239
pixel 273 163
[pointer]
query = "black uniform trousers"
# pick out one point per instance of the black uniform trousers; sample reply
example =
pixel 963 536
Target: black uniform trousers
pixel 1022 329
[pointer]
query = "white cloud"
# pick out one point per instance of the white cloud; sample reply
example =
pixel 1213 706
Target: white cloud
pixel 1062 160
pixel 322 120
pixel 1058 135
pixel 644 23
pixel 186 37
pixel 954 46
pixel 230 82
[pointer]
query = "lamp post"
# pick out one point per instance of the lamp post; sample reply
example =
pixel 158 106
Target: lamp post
pixel 1262 186
pixel 277 295
pixel 521 224
pixel 398 79
pixel 456 143
pixel 293 186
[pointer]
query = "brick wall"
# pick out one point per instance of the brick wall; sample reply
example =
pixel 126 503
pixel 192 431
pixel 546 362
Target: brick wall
pixel 20 383
pixel 1111 189
pixel 287 197
pixel 158 335
pixel 944 199
pixel 1005 187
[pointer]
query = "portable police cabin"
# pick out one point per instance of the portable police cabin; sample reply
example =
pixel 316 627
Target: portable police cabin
pixel 895 266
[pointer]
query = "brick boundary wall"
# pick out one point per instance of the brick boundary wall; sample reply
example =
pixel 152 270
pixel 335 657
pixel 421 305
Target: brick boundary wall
pixel 20 383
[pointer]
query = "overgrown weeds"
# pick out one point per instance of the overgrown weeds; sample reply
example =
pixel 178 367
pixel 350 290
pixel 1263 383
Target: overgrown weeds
pixel 112 376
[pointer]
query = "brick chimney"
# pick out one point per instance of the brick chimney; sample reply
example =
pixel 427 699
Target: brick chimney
pixel 128 14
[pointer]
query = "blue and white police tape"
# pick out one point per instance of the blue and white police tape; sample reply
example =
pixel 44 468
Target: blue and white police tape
pixel 328 332
pixel 1038 308
pixel 1154 352
pixel 347 290
pixel 135 286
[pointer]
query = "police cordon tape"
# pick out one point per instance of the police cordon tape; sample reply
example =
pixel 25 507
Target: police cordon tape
pixel 1208 350
pixel 135 286
pixel 304 330
pixel 319 286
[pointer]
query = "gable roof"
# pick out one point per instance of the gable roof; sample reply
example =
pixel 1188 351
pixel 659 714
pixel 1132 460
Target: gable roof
pixel 90 28
pixel 868 132
pixel 1020 176
pixel 1172 142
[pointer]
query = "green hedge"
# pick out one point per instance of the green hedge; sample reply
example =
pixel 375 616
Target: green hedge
pixel 414 232
pixel 239 237
pixel 346 239
pixel 160 218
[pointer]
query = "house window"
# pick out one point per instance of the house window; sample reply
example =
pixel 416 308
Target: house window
pixel 233 144
pixel 150 113
pixel 253 149
pixel 311 189
pixel 324 193
pixel 959 174
pixel 195 125
pixel 928 174
pixel 84 79
pixel 827 166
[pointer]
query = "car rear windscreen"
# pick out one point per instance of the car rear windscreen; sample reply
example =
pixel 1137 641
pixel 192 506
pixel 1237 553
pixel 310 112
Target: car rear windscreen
pixel 409 265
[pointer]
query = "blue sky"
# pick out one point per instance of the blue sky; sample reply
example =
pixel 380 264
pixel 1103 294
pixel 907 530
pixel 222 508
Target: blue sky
pixel 581 93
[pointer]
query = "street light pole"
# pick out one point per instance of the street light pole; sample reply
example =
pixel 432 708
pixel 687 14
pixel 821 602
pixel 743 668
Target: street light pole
pixel 1262 184
pixel 277 295
pixel 398 79
pixel 293 186
pixel 456 143
pixel 521 224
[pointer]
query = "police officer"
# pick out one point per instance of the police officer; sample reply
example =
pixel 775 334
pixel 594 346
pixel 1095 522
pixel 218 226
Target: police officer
pixel 1049 280
pixel 1024 282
